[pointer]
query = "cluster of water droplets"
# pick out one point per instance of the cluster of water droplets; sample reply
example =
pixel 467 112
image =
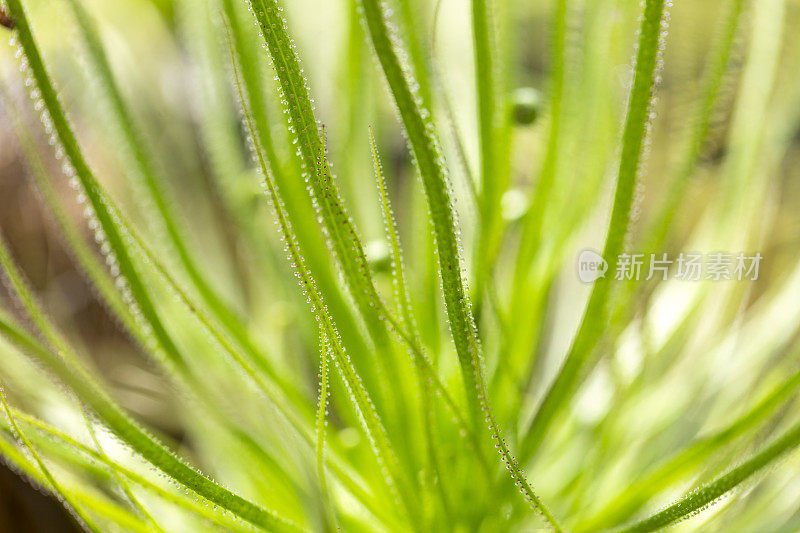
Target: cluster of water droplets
pixel 364 407
pixel 323 394
pixel 442 210
pixel 390 226
pixel 99 86
pixel 39 106
pixel 337 225
pixel 80 187
pixel 647 141
pixel 452 261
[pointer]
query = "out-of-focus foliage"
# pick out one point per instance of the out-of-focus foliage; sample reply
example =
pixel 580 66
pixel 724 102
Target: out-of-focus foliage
pixel 312 265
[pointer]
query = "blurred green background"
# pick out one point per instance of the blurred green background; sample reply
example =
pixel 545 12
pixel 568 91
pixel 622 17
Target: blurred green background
pixel 742 196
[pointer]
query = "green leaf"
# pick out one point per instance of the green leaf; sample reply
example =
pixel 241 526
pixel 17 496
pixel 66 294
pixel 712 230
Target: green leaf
pixel 65 363
pixel 85 520
pixel 358 394
pixel 421 135
pixel 594 317
pixel 706 494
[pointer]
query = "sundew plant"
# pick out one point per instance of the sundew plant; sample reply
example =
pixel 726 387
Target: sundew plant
pixel 402 265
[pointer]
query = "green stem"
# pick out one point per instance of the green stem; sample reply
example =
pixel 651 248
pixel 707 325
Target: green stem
pixel 358 394
pixel 492 186
pixel 706 494
pixel 69 369
pixel 595 315
pixel 424 145
pixel 68 498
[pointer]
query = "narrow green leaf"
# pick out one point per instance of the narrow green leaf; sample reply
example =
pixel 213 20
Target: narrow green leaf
pixel 75 165
pixel 681 463
pixel 344 239
pixel 718 65
pixel 542 189
pixel 90 499
pixel 704 495
pixel 403 302
pixel 402 298
pixel 126 489
pixel 321 423
pixel 148 168
pixel 651 35
pixel 65 495
pixel 407 329
pixel 82 252
pixel 53 435
pixel 421 134
pixel 66 364
pixel 359 396
pixel 493 181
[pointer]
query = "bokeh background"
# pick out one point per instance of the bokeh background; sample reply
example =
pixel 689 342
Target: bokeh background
pixel 162 62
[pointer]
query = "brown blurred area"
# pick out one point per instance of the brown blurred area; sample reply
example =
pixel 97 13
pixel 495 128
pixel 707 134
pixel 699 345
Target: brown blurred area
pixel 25 509
pixel 63 291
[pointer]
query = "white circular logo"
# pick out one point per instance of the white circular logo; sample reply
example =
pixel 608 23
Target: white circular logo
pixel 591 266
